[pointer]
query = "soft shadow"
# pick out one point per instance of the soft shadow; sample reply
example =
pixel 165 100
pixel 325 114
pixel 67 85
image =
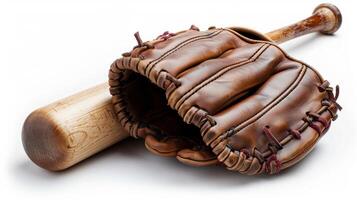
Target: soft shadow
pixel 130 160
pixel 126 146
pixel 304 42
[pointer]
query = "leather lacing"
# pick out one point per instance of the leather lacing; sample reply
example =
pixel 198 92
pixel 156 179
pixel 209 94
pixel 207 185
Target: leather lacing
pixel 270 160
pixel 266 158
pixel 274 146
pixel 142 46
pixel 295 133
pixel 173 80
pixel 166 35
pixel 272 139
pixel 123 104
pixel 332 99
pixel 195 28
pixel 138 39
pixel 136 129
pixel 311 120
pixel 210 119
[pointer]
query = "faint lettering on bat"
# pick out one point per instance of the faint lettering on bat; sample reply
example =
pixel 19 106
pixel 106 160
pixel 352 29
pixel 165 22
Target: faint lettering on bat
pixel 77 138
pixel 92 127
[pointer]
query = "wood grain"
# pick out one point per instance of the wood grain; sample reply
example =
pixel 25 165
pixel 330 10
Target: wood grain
pixel 65 132
pixel 70 130
pixel 325 19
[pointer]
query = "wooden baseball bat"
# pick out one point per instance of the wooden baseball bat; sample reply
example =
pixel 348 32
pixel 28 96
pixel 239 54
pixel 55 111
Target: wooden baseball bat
pixel 72 129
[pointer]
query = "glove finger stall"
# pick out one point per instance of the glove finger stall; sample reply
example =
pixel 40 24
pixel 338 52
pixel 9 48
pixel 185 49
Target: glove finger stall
pixel 256 108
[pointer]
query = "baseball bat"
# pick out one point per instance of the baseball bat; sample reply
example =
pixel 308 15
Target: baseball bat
pixel 72 129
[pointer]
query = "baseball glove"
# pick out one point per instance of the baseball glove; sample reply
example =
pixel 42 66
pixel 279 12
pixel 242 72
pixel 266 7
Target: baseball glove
pixel 225 95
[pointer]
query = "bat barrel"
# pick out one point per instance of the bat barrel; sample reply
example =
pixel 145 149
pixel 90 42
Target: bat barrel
pixel 325 19
pixel 72 129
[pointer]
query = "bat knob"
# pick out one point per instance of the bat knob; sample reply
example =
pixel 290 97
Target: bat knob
pixel 43 141
pixel 331 16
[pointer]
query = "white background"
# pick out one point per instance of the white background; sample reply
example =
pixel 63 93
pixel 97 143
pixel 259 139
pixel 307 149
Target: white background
pixel 49 50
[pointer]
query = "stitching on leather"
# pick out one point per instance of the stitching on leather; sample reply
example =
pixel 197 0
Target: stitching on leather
pixel 123 111
pixel 124 117
pixel 267 110
pixel 137 66
pixel 252 41
pixel 243 94
pixel 268 153
pixel 273 103
pixel 302 128
pixel 199 86
pixel 219 74
pixel 178 46
pixel 180 74
pixel 187 40
pixel 129 61
pixel 304 152
pixel 192 115
pixel 111 71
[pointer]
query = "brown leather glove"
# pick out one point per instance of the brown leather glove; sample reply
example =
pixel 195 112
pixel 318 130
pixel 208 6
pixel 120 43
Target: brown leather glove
pixel 222 94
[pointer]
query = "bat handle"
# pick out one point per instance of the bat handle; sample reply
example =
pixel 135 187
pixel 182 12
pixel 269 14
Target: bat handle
pixel 325 19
